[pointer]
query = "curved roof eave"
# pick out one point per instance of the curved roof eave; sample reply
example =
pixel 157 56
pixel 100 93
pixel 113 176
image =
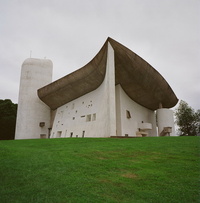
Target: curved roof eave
pixel 76 84
pixel 140 81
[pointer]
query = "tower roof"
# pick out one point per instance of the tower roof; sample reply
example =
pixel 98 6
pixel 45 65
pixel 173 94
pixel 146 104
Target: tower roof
pixel 40 62
pixel 141 82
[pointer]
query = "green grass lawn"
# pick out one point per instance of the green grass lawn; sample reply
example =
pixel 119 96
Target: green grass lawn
pixel 158 169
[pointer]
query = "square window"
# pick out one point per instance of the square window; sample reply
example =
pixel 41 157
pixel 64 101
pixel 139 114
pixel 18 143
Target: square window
pixel 88 118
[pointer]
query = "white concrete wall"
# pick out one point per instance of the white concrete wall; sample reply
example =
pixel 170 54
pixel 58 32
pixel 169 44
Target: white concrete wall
pixel 138 113
pixel 102 112
pixel 165 118
pixel 92 115
pixel 110 91
pixel 35 73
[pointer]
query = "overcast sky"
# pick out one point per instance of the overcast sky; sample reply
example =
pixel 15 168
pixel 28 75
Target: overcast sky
pixel 166 33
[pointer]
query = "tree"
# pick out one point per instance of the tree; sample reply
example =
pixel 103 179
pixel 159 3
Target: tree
pixel 187 119
pixel 8 113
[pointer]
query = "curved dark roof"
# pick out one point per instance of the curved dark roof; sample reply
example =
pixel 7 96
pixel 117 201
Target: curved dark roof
pixel 141 82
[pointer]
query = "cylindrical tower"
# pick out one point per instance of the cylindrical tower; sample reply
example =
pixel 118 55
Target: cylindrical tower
pixel 33 116
pixel 165 121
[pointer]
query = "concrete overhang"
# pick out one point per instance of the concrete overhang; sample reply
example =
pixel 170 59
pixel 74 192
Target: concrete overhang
pixel 141 82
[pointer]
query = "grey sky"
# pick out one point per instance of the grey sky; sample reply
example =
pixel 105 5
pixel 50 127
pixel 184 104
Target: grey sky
pixel 166 33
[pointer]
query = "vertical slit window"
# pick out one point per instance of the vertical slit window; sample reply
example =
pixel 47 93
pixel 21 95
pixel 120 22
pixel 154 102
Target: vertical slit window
pixel 94 117
pixel 128 114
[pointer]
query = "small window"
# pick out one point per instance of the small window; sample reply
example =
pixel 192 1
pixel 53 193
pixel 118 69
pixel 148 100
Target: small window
pixel 71 134
pixel 128 114
pixel 94 117
pixel 83 116
pixel 73 118
pixel 42 124
pixel 88 118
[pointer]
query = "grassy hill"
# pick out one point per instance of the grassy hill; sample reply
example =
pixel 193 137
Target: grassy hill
pixel 158 169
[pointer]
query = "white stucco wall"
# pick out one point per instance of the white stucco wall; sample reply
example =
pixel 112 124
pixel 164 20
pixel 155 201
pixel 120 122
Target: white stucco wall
pixel 102 112
pixel 35 73
pixel 92 115
pixel 138 114
pixel 165 118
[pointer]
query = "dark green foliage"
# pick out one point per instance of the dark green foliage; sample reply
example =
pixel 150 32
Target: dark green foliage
pixel 187 119
pixel 8 113
pixel 159 169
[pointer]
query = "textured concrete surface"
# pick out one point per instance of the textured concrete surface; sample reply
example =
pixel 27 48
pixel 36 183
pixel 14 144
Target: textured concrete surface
pixel 90 115
pixel 141 82
pixel 165 120
pixel 33 116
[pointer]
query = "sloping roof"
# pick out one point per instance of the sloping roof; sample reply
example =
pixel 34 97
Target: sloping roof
pixel 141 82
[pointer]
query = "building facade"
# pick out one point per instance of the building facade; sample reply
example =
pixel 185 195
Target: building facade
pixel 116 94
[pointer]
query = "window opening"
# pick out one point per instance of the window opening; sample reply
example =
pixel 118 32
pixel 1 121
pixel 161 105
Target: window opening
pixel 128 114
pixel 94 117
pixel 71 134
pixel 88 118
pixel 42 124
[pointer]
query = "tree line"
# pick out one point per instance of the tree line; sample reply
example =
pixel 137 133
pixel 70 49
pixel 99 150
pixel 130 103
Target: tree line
pixel 8 114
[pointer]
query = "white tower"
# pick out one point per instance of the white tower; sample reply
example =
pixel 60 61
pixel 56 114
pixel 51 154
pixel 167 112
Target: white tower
pixel 33 116
pixel 165 121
